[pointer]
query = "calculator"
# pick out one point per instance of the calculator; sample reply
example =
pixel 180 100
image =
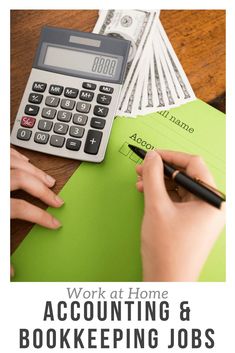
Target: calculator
pixel 72 94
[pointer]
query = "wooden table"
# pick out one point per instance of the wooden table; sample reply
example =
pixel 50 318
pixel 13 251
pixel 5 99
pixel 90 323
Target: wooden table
pixel 198 38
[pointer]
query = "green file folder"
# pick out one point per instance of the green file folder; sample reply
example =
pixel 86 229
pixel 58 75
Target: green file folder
pixel 101 217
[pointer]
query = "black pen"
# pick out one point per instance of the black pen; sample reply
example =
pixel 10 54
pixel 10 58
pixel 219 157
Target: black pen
pixel 195 186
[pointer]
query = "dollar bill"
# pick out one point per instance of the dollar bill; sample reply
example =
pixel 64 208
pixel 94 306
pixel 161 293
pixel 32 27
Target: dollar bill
pixel 155 79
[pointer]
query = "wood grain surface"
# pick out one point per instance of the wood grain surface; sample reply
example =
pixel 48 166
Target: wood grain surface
pixel 198 38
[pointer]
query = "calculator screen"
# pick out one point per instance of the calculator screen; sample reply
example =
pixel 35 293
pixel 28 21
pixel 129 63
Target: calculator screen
pixel 82 61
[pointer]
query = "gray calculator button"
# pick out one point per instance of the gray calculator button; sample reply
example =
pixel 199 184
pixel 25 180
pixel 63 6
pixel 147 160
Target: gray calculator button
pixel 80 119
pixel 106 89
pixel 76 131
pixel 93 141
pixel 48 113
pixel 83 107
pixel 72 144
pixel 86 96
pixel 71 92
pixel 41 137
pixel 67 104
pixel 35 98
pixel 57 141
pixel 98 123
pixel 101 111
pixel 89 85
pixel 31 109
pixel 24 134
pixel 64 116
pixel 52 101
pixel 45 125
pixel 60 128
pixel 55 89
pixel 104 99
pixel 39 86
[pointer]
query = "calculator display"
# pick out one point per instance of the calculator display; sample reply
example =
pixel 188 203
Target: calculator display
pixel 86 62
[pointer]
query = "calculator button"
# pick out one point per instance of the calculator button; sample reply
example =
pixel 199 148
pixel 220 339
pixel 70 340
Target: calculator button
pixel 61 128
pixel 27 121
pixel 106 89
pixel 31 109
pixel 67 104
pixel 57 90
pixel 48 113
pixel 100 111
pixel 83 107
pixel 80 119
pixel 104 99
pixel 76 131
pixel 86 96
pixel 97 123
pixel 64 116
pixel 57 141
pixel 39 86
pixel 89 85
pixel 35 98
pixel 72 144
pixel 23 134
pixel 41 137
pixel 93 142
pixel 52 101
pixel 71 92
pixel 45 125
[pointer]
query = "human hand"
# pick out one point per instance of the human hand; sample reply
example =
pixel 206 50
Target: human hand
pixel 27 177
pixel 178 229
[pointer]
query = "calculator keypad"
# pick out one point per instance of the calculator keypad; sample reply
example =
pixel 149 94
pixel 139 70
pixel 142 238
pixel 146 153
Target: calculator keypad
pixel 66 117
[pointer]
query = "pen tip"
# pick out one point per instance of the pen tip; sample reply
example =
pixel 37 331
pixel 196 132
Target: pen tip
pixel 131 147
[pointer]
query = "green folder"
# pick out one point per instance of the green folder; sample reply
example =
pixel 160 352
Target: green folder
pixel 101 217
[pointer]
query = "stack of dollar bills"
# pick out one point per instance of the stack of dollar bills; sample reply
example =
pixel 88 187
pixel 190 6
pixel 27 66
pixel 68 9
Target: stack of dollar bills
pixel 155 79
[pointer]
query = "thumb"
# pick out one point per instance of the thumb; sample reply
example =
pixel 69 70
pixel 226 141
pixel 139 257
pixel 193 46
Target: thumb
pixel 155 192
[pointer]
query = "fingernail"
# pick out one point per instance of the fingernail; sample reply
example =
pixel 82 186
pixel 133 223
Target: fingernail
pixel 58 200
pixel 56 223
pixel 49 180
pixel 150 154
